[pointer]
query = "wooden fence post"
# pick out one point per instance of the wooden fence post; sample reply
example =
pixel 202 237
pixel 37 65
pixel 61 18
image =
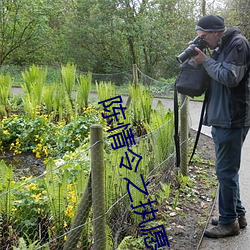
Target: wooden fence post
pixel 135 82
pixel 135 74
pixel 98 188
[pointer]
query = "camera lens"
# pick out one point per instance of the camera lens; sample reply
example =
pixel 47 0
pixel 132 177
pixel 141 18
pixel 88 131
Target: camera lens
pixel 187 53
pixel 190 51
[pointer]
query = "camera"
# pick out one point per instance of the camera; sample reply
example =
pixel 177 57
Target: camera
pixel 190 51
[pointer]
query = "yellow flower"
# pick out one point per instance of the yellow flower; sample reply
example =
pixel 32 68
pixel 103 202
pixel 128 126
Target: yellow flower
pixel 26 178
pixel 69 211
pixel 17 152
pixel 45 151
pixel 31 187
pixel 73 199
pixel 38 155
pixel 14 209
pixel 6 132
pixel 37 196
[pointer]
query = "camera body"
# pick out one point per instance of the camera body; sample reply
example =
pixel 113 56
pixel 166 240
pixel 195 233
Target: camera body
pixel 190 51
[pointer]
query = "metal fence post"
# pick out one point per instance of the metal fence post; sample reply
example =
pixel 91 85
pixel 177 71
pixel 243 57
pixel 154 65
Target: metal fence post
pixel 98 191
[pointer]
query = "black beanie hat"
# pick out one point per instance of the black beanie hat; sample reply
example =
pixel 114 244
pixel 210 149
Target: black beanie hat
pixel 211 23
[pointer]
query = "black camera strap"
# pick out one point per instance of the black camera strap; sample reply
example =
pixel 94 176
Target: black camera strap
pixel 206 51
pixel 176 125
pixel 199 127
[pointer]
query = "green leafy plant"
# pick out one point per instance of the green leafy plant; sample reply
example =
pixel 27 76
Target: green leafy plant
pixel 140 107
pixel 6 184
pixel 62 104
pixel 48 98
pixel 64 133
pixel 129 242
pixel 43 137
pixel 176 199
pixel 164 191
pixel 22 245
pixel 161 132
pixel 33 85
pixel 141 103
pixel 135 92
pixel 105 90
pixel 183 180
pixel 58 103
pixel 56 184
pixel 6 204
pixel 83 91
pixel 30 208
pixel 5 90
pixel 68 74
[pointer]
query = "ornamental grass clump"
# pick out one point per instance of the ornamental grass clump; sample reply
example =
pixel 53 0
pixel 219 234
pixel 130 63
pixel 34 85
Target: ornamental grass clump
pixel 160 131
pixel 83 91
pixel 5 91
pixel 141 107
pixel 68 75
pixel 33 85
pixel 105 90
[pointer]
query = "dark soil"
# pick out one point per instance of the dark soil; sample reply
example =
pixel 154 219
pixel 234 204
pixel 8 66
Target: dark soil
pixel 25 164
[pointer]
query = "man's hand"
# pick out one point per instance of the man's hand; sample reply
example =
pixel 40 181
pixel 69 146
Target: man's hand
pixel 200 58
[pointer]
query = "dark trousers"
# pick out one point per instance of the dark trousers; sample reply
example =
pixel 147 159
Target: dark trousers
pixel 228 145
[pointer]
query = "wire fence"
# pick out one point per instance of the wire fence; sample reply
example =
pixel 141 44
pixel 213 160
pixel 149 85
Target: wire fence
pixel 56 209
pixel 161 87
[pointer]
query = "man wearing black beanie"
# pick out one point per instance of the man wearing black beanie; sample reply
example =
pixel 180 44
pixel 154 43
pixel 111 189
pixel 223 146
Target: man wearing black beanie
pixel 228 112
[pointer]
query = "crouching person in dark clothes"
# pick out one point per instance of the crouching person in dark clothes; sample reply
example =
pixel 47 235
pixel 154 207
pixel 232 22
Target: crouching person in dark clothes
pixel 228 112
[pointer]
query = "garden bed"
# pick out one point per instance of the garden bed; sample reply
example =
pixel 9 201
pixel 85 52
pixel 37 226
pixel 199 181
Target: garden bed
pixel 183 210
pixel 187 223
pixel 25 164
pixel 54 125
pixel 186 210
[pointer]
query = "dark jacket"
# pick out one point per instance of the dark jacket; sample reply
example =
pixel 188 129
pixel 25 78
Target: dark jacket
pixel 229 90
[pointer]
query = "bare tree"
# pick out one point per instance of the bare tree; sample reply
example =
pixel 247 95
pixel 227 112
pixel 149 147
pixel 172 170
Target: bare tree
pixel 20 22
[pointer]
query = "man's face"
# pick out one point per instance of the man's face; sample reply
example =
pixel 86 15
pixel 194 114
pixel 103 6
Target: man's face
pixel 211 38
